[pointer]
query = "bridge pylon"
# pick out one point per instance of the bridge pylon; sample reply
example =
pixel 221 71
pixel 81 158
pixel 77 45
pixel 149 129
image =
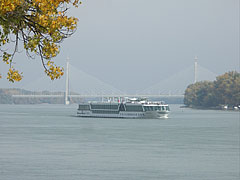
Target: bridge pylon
pixel 195 69
pixel 67 83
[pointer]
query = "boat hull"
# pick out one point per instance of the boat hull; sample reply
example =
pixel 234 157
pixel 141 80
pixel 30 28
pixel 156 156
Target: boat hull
pixel 138 115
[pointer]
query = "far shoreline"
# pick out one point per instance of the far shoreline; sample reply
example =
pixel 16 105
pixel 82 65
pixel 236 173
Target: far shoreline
pixel 211 108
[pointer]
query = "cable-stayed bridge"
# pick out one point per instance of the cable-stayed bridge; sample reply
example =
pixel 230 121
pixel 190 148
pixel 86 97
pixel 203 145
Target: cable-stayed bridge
pixel 178 82
pixel 78 84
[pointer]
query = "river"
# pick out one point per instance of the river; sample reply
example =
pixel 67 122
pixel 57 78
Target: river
pixel 47 142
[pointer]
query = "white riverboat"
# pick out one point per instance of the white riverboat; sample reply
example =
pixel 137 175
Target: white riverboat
pixel 124 108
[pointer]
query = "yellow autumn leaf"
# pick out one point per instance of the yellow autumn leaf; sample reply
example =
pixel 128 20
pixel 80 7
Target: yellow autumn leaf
pixel 40 25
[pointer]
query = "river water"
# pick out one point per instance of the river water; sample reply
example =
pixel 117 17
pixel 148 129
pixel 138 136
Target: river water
pixel 47 142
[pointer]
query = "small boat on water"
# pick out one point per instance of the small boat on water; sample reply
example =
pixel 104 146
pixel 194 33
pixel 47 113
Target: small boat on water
pixel 124 108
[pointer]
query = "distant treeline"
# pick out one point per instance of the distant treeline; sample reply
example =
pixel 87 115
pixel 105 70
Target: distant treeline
pixel 7 98
pixel 225 90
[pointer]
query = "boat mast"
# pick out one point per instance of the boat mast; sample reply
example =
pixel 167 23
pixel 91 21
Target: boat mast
pixel 67 83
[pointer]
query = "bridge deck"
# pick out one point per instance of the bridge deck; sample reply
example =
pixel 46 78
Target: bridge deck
pixel 96 96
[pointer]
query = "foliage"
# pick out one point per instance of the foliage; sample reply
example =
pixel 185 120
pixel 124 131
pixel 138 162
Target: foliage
pixel 199 94
pixel 228 88
pixel 224 90
pixel 41 25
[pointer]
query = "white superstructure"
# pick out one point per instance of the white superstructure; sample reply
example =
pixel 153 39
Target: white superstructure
pixel 124 108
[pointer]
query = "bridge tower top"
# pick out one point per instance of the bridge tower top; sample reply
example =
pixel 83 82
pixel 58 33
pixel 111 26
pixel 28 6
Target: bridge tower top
pixel 195 69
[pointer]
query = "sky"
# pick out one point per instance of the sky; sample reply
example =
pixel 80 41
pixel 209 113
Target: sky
pixel 134 44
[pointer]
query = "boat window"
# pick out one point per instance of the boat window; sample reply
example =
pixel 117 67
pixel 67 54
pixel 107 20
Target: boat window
pixel 146 108
pixel 134 108
pixel 168 109
pixel 84 107
pixel 105 106
pixel 104 112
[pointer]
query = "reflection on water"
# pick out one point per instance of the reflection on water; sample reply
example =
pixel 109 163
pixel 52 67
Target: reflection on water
pixel 49 142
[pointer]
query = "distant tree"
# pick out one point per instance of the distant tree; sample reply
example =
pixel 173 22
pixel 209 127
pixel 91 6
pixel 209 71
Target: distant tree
pixel 41 25
pixel 199 94
pixel 224 90
pixel 227 88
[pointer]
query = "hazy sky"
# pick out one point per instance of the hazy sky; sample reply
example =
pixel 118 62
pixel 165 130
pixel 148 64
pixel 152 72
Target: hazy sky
pixel 133 44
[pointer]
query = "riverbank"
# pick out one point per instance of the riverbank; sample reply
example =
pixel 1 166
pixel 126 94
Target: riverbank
pixel 223 108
